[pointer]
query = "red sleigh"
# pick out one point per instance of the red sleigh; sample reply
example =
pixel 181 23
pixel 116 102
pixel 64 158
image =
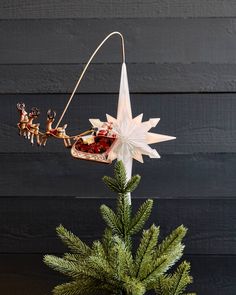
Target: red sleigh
pixel 95 147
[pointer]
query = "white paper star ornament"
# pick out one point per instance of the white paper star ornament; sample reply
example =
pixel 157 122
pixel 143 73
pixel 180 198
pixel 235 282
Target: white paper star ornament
pixel 133 138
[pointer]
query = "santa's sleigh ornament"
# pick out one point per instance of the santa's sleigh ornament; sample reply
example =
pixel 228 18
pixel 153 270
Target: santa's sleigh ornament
pixel 96 146
pixel 124 138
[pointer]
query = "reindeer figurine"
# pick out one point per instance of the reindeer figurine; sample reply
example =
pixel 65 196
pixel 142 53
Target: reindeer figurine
pixel 22 125
pixel 32 128
pixel 59 132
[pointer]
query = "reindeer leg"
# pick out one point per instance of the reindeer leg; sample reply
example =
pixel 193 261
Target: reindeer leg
pixel 38 139
pixel 68 142
pixel 32 138
pixel 19 129
pixel 43 140
pixel 65 143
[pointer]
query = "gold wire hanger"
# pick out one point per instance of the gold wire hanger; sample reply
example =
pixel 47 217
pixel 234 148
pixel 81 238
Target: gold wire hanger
pixel 87 65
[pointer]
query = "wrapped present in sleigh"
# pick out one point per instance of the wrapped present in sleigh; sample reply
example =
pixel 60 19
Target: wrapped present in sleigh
pixel 95 146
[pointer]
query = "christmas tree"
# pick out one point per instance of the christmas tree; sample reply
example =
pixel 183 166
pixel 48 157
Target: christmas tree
pixel 111 266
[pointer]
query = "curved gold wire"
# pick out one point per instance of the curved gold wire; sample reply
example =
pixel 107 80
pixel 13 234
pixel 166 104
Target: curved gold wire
pixel 86 67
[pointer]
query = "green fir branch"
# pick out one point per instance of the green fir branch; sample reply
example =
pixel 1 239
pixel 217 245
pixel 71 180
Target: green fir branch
pixel 162 264
pixel 180 279
pixel 120 176
pixel 177 283
pixel 124 210
pixel 72 241
pixel 118 183
pixel 111 184
pixel 110 266
pixel 125 262
pixel 169 243
pixel 68 268
pixel 141 217
pixel 145 251
pixel 72 288
pixel 161 284
pixel 73 257
pixel 82 287
pixel 133 286
pixel 132 183
pixel 124 216
pixel 111 219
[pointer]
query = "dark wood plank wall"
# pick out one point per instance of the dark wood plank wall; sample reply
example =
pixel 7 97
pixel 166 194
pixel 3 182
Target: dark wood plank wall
pixel 181 58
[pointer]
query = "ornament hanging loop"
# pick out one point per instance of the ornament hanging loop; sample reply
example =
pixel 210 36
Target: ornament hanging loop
pixel 87 65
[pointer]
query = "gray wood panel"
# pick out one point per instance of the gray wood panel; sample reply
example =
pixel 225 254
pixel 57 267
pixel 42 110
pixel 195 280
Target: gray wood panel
pixel 104 78
pixel 24 274
pixel 201 123
pixel 174 49
pixel 21 9
pixel 27 224
pixel 172 176
pixel 147 40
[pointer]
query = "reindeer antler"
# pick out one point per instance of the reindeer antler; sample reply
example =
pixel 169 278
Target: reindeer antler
pixel 20 106
pixel 35 111
pixel 51 114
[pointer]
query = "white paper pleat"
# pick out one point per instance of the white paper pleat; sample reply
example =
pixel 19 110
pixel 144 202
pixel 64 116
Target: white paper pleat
pixel 124 106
